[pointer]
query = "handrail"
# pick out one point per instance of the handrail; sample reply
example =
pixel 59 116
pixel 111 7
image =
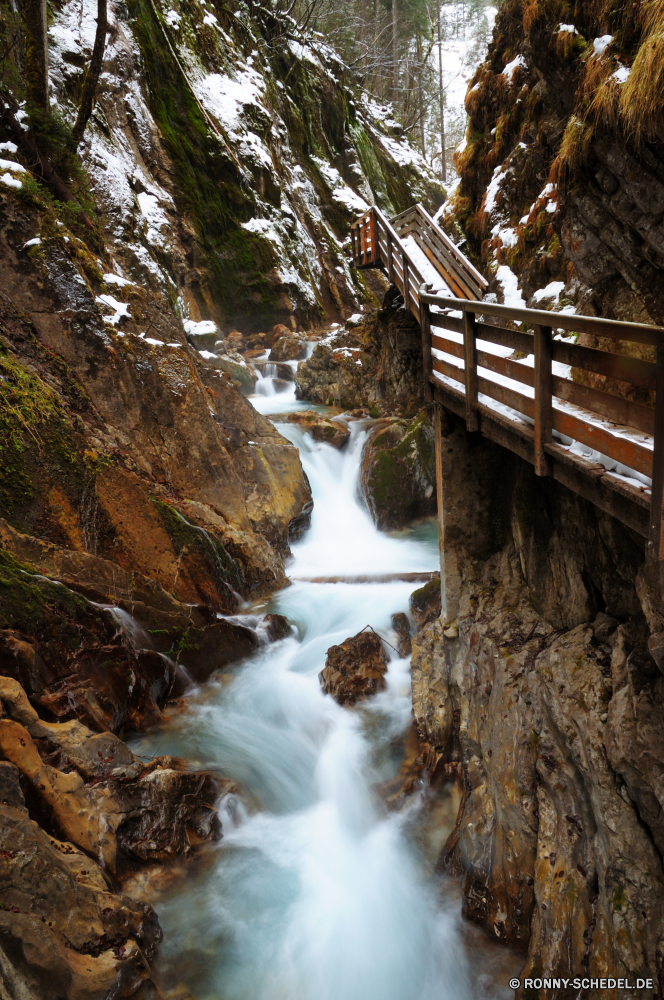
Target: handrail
pixel 548 399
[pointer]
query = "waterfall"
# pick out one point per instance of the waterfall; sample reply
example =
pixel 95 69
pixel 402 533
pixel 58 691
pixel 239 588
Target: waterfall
pixel 315 892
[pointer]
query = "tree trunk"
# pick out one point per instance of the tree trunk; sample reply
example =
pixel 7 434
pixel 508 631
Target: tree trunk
pixel 93 72
pixel 36 53
pixel 395 54
pixel 420 95
pixel 442 105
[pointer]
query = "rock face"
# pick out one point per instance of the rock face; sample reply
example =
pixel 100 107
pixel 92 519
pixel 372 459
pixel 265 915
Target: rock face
pixel 549 700
pixel 355 669
pixel 92 790
pixel 322 429
pixel 288 348
pixel 398 471
pixel 425 603
pixel 377 364
pixel 597 228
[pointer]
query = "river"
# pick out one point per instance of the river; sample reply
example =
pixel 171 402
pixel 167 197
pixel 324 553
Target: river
pixel 316 891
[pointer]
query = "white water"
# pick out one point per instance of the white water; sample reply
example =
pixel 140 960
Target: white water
pixel 315 892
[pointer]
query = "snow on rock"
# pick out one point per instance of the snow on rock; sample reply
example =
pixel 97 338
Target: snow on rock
pixel 551 292
pixel 205 326
pixel 34 242
pixel 10 181
pixel 115 279
pixel 18 168
pixel 601 44
pixel 120 309
pixel 510 285
pixel 512 67
pixel 569 28
pixel 8 147
pixel 493 188
pixel 621 75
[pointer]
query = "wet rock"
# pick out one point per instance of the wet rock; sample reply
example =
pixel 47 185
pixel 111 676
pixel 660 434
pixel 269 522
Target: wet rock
pixel 288 348
pixel 277 626
pixel 99 795
pixel 377 365
pixel 401 626
pixel 321 428
pixel 241 374
pixel 64 934
pixel 425 602
pixel 10 788
pixel 398 472
pixel 281 384
pixel 235 341
pixel 355 669
pixel 603 627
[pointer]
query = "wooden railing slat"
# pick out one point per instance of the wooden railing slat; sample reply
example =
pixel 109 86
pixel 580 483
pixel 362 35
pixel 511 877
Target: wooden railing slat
pixel 470 358
pixel 655 547
pixel 543 398
pixel 632 370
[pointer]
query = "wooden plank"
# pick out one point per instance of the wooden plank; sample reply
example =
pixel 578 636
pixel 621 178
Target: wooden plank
pixel 453 323
pixel 515 339
pixel 543 398
pixel 448 346
pixel 508 397
pixel 452 399
pixel 620 411
pixel 637 333
pixel 447 368
pixel 449 268
pixel 444 238
pixel 470 359
pixel 630 370
pixel 655 547
pixel 629 453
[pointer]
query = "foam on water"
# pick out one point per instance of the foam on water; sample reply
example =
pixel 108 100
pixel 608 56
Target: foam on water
pixel 315 893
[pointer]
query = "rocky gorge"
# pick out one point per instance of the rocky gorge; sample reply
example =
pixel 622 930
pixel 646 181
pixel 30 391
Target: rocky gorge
pixel 222 772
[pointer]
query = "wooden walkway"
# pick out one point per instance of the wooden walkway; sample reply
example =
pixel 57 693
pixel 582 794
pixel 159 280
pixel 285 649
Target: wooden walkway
pixel 519 382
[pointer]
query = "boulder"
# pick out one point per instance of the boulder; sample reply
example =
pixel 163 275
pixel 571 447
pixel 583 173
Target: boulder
pixel 288 348
pixel 239 371
pixel 98 794
pixel 277 627
pixel 398 472
pixel 425 603
pixel 64 934
pixel 355 669
pixel 321 428
pixel 235 341
pixel 401 626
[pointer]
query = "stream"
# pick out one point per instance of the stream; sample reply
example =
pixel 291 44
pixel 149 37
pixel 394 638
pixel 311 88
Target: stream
pixel 316 891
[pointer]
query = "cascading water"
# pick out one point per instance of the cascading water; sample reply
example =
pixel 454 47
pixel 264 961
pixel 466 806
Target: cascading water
pixel 315 891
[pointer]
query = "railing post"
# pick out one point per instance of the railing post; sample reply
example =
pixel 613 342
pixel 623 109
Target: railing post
pixel 390 263
pixel 470 359
pixel 406 281
pixel 425 325
pixel 372 232
pixel 543 399
pixel 655 547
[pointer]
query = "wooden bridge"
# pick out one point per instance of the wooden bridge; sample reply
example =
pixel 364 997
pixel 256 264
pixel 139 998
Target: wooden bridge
pixel 516 374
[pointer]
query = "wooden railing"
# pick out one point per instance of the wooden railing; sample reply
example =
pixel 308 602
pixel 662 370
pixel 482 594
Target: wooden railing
pixel 543 404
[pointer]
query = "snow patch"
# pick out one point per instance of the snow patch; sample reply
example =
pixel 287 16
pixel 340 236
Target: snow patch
pixel 509 281
pixel 621 75
pixel 197 329
pixel 115 279
pixel 568 28
pixel 552 291
pixel 10 181
pixel 601 44
pixel 34 242
pixel 120 309
pixel 512 67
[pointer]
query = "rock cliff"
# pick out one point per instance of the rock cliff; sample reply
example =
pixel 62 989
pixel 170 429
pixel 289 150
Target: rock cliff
pixel 562 171
pixel 545 697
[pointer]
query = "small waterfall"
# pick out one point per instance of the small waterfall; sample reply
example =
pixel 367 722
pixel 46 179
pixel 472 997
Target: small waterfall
pixel 315 893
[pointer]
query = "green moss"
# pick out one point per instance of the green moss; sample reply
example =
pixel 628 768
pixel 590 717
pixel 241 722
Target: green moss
pixel 26 596
pixel 190 539
pixel 619 899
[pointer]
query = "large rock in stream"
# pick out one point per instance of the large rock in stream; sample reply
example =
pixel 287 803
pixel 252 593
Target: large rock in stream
pixel 398 473
pixel 355 669
pixel 321 428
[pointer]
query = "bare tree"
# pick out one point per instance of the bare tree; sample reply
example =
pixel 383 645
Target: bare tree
pixel 93 72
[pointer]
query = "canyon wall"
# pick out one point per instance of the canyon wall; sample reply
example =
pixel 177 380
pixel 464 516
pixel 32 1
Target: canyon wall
pixel 544 696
